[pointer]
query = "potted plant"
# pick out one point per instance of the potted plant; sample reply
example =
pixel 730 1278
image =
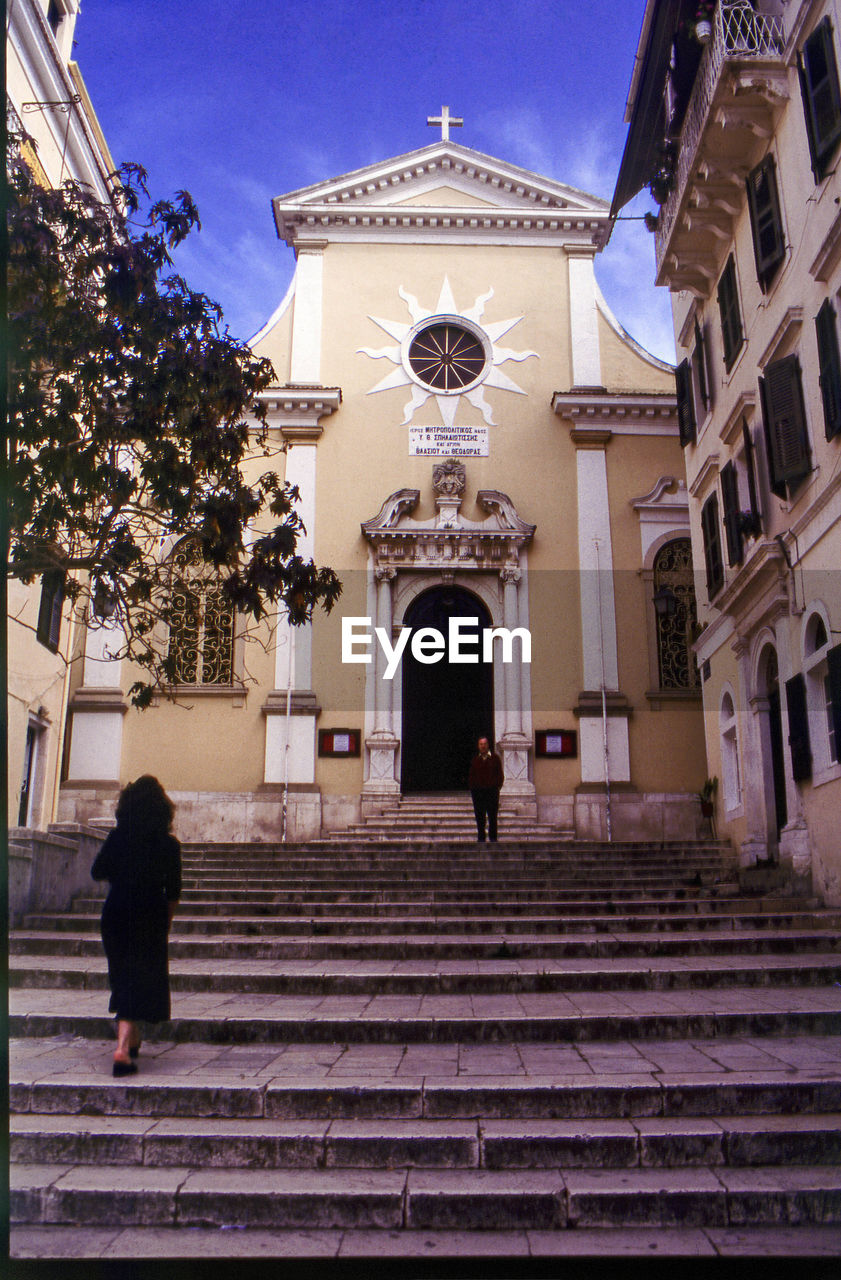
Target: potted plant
pixel 704 22
pixel 707 797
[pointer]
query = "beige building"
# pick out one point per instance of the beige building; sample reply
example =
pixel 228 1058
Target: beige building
pixel 492 466
pixel 47 99
pixel 736 126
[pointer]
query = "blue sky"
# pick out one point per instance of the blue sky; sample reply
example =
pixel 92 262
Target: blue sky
pixel 239 102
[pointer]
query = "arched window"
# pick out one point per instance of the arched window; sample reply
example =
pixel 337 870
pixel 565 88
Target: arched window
pixel 820 695
pixel 201 626
pixel 731 776
pixel 676 663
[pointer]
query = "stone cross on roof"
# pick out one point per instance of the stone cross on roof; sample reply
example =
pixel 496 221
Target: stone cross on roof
pixel 445 120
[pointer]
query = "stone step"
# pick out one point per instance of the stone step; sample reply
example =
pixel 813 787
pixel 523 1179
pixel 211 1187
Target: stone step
pixel 270 923
pixel 449 978
pixel 423 1199
pixel 210 1143
pixel 613 944
pixel 279 906
pixel 304 1082
pixel 498 1253
pixel 220 1017
pixel 236 890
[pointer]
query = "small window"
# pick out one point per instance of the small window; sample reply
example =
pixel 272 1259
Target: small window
pixel 49 613
pixel 700 368
pixel 766 220
pixel 830 368
pixel 685 405
pixel 731 315
pixel 822 674
pixel 821 97
pixel 712 545
pixel 732 512
pixel 799 738
pixel 54 16
pixel 786 434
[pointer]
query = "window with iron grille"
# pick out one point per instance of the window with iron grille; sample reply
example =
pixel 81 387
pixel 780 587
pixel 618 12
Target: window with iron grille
pixel 830 368
pixel 711 534
pixel 731 316
pixel 766 220
pixel 821 97
pixel 675 632
pixel 201 627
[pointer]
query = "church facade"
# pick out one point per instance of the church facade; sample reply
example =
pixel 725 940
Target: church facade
pixel 492 467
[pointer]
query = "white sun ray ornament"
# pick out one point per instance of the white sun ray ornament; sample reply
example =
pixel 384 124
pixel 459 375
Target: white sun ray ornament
pixel 444 354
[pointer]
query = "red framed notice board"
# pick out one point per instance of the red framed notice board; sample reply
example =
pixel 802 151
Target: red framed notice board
pixel 556 744
pixel 338 742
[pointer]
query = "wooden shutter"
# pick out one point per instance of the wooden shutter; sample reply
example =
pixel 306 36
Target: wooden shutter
pixel 731 317
pixel 731 513
pixel 798 728
pixel 833 666
pixel 49 613
pixel 821 96
pixel 786 422
pixel 699 360
pixel 712 545
pixel 750 468
pixel 685 407
pixel 766 220
pixel 830 368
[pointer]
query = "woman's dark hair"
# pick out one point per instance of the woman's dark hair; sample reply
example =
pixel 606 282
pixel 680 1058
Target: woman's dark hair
pixel 144 807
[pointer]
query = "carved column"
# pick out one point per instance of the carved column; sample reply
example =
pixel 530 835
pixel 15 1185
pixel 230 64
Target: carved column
pixel 514 746
pixel 382 783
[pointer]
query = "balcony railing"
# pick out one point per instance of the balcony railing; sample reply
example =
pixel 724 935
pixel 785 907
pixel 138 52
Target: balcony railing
pixel 739 34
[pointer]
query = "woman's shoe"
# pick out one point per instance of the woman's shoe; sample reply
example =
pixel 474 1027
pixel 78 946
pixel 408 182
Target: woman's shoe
pixel 121 1068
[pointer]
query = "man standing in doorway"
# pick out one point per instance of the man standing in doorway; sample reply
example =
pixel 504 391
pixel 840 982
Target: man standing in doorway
pixel 484 780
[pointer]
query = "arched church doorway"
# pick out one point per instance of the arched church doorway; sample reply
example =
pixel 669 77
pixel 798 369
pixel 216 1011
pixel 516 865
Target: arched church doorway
pixel 446 706
pixel 770 676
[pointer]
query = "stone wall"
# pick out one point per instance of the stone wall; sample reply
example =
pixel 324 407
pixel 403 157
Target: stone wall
pixel 48 869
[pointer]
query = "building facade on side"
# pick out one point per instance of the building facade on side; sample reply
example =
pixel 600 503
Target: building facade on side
pixel 47 100
pixel 735 126
pixel 472 435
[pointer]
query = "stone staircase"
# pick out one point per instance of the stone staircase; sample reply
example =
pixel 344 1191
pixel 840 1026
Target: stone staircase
pixel 448 816
pixel 412 1047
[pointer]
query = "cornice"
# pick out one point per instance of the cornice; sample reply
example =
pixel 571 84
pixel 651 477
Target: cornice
pixel 789 327
pixel 731 428
pixel 365 223
pixel 827 258
pixel 619 413
pixel 297 409
pixel 708 472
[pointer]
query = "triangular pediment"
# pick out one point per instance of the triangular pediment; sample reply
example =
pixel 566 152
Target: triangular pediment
pixel 444 175
pixel 449 197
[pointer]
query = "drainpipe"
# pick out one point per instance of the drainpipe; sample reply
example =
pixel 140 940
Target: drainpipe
pixel 288 742
pixel 604 697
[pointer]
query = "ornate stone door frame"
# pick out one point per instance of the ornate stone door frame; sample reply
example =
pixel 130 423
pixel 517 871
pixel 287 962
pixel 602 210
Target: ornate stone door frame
pixel 407 557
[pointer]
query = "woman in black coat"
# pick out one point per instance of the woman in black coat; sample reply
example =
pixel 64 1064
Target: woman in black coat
pixel 142 861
